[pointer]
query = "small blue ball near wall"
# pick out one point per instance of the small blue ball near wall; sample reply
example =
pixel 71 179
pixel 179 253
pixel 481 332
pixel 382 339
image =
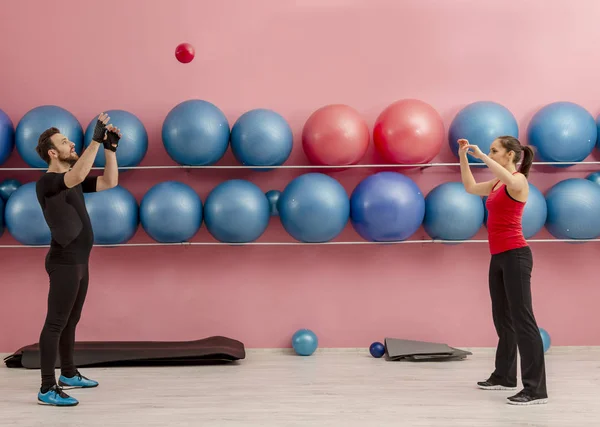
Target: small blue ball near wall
pixel 7 187
pixel 273 197
pixel 547 342
pixel 594 177
pixel 377 349
pixel 305 342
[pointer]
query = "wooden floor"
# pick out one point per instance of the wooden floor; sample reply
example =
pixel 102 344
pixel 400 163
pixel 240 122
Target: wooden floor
pixel 331 388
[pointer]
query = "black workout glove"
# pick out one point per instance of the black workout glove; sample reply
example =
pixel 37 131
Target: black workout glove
pixel 111 138
pixel 99 132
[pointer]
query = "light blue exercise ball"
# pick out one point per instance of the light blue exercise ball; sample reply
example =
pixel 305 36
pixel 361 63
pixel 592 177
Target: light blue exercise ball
pixel 481 123
pixel 24 217
pixel 562 132
pixel 7 137
pixel 36 121
pixel 261 137
pixel 114 214
pixel 171 212
pixel 236 211
pixel 451 213
pixel 133 145
pixel 305 342
pixel 196 133
pixel 314 208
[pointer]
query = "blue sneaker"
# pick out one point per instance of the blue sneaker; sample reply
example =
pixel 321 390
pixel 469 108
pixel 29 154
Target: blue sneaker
pixel 77 381
pixel 56 397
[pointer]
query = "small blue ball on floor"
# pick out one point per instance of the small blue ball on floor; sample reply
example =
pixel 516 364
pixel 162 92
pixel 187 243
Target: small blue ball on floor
pixel 305 342
pixel 545 339
pixel 377 349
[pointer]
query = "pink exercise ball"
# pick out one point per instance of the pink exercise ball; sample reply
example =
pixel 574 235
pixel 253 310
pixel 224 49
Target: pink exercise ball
pixel 409 131
pixel 335 135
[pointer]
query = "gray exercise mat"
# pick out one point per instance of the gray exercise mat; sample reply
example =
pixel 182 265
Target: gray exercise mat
pixel 399 349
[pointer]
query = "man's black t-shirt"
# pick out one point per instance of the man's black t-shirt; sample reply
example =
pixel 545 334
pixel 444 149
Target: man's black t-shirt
pixel 67 217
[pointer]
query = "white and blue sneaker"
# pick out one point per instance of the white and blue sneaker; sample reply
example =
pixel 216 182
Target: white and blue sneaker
pixel 56 397
pixel 77 381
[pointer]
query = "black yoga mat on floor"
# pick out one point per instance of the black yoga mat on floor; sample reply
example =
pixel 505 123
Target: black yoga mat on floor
pixel 209 350
pixel 422 351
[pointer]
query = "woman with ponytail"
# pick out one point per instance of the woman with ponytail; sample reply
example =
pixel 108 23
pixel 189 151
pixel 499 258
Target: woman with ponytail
pixel 510 268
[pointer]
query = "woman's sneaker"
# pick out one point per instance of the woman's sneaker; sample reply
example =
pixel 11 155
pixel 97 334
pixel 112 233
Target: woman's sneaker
pixel 524 398
pixel 56 397
pixel 77 381
pixel 494 385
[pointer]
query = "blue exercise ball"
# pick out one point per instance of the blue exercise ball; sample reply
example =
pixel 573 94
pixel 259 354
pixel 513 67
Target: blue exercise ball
pixel 133 145
pixel 598 132
pixel 594 177
pixel 261 138
pixel 7 187
pixel 481 123
pixel 314 208
pixel 7 137
pixel 573 209
pixel 171 212
pixel 535 212
pixel 273 198
pixel 236 211
pixel 546 341
pixel 24 217
pixel 305 342
pixel 39 119
pixel 562 132
pixel 114 214
pixel 387 206
pixel 1 217
pixel 451 213
pixel 377 350
pixel 196 133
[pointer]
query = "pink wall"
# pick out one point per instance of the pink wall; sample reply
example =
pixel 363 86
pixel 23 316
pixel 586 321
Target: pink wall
pixel 295 56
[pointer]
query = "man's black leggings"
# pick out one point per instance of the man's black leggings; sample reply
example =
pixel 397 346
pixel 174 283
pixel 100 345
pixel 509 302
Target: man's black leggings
pixel 68 288
pixel 510 290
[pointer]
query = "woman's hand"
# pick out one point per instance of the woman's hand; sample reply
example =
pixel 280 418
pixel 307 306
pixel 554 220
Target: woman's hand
pixel 463 145
pixel 466 148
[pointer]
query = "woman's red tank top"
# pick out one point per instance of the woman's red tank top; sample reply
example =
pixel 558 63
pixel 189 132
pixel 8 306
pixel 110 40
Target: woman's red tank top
pixel 505 229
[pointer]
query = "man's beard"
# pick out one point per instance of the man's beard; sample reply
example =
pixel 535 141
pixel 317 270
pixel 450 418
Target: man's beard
pixel 71 159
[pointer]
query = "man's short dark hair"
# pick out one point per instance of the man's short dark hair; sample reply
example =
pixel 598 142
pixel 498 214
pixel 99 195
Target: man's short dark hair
pixel 45 143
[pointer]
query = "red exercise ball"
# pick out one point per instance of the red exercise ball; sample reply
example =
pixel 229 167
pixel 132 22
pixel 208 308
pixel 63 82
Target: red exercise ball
pixel 409 131
pixel 335 135
pixel 185 53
